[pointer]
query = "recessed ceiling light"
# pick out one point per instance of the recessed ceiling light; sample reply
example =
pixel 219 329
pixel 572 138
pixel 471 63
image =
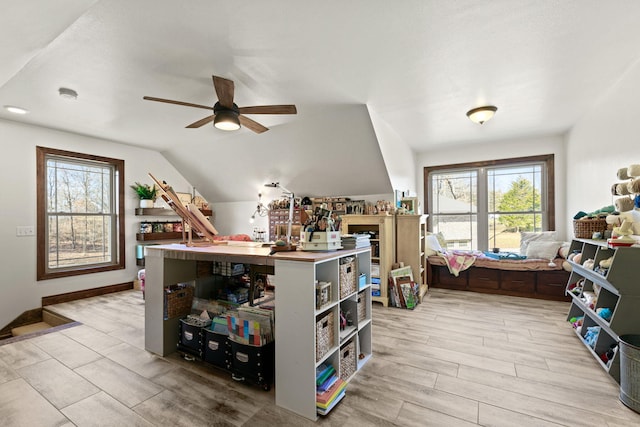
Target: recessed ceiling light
pixel 67 93
pixel 15 110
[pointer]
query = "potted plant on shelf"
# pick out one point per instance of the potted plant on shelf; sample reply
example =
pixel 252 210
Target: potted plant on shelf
pixel 146 194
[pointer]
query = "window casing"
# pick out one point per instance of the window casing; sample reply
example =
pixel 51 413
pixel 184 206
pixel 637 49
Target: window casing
pixel 80 213
pixel 484 205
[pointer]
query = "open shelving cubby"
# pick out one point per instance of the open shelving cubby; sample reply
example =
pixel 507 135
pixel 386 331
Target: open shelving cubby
pixel 301 326
pixel 616 289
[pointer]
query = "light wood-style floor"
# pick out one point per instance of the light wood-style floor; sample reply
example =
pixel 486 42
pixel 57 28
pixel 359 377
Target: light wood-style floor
pixel 459 359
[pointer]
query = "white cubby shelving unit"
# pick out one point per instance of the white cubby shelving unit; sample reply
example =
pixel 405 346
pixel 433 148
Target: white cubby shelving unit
pixel 297 320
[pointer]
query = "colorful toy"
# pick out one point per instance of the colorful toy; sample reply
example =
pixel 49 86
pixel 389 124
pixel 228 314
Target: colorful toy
pixel 604 312
pixel 592 335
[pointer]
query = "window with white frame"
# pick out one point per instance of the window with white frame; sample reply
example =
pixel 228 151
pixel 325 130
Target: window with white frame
pixel 485 205
pixel 80 213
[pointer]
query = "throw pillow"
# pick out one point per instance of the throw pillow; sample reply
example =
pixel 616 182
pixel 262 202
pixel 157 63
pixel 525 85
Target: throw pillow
pixel 433 245
pixel 527 237
pixel 543 249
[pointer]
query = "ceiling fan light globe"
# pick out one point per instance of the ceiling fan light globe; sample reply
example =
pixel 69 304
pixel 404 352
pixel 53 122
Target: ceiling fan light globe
pixel 226 120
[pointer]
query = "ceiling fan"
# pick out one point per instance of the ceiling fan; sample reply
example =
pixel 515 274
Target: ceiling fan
pixel 226 114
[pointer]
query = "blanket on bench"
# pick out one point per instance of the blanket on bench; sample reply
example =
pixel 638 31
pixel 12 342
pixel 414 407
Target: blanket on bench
pixel 458 261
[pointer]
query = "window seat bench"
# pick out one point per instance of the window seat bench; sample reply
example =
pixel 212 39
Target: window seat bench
pixel 531 278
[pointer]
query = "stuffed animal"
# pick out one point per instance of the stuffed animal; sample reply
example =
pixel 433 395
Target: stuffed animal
pixel 606 263
pixel 604 312
pixel 625 229
pixel 633 216
pixel 613 219
pixel 577 258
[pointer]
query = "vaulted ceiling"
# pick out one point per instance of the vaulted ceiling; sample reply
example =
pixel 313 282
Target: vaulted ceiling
pixel 419 65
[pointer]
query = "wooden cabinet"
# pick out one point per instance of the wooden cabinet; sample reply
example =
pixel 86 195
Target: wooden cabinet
pixel 383 241
pixel 592 292
pixel 279 220
pixel 410 246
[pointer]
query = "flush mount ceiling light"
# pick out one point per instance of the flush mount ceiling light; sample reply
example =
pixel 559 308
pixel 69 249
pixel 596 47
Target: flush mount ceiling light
pixel 482 114
pixel 67 93
pixel 15 110
pixel 226 120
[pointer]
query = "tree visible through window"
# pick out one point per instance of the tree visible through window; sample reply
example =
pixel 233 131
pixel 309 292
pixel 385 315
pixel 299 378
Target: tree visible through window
pixel 80 214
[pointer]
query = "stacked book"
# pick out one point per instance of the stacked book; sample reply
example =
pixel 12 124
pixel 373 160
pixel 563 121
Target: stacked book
pixel 251 325
pixel 355 241
pixel 330 389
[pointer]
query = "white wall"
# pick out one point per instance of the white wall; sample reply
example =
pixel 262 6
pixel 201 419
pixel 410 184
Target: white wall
pixel 399 158
pixel 603 141
pixel 19 290
pixel 233 217
pixel 502 150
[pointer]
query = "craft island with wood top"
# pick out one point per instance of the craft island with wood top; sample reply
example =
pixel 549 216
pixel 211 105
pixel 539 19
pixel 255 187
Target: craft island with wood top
pixel 306 336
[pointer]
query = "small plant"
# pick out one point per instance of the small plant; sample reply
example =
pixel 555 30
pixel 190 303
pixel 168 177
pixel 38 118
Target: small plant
pixel 145 191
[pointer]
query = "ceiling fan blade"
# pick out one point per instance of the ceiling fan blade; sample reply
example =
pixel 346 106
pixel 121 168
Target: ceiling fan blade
pixel 269 109
pixel 201 122
pixel 169 101
pixel 251 124
pixel 224 90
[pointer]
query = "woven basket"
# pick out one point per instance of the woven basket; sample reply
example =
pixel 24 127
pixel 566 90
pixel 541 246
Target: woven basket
pixel 362 307
pixel 348 361
pixel 177 302
pixel 324 335
pixel 347 277
pixel 584 228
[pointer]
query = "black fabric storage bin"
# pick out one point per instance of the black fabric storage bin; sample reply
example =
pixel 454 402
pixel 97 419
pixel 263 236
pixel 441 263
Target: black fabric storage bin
pixel 190 338
pixel 253 364
pixel 216 349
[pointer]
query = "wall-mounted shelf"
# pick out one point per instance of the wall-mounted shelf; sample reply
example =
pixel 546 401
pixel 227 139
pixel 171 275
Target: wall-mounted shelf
pixel 164 236
pixel 170 235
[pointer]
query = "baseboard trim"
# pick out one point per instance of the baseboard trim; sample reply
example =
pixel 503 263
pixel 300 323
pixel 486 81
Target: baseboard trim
pixel 87 293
